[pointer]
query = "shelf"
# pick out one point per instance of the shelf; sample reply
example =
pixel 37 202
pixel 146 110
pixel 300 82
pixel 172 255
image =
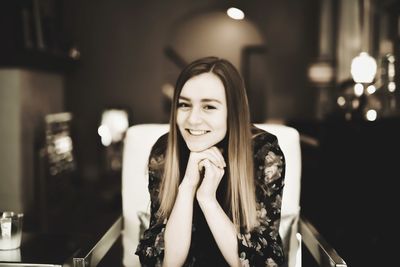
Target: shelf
pixel 37 60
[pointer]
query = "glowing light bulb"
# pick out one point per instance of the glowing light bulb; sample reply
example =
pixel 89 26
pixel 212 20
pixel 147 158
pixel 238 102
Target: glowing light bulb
pixel 358 89
pixel 391 87
pixel 235 13
pixel 363 68
pixel 371 89
pixel 341 101
pixel 371 115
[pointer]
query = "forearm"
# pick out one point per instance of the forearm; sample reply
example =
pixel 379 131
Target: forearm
pixel 178 230
pixel 222 229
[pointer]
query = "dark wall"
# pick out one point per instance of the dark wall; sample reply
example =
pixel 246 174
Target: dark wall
pixel 351 194
pixel 123 63
pixel 290 29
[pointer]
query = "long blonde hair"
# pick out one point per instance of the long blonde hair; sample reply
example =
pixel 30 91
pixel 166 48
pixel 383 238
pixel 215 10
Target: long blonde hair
pixel 241 189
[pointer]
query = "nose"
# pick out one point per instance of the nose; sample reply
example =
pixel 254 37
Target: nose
pixel 194 117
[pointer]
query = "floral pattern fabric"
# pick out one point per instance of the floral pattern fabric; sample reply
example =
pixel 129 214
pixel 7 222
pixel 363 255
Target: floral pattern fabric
pixel 260 247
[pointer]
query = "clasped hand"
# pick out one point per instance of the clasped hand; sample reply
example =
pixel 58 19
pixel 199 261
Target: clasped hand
pixel 209 162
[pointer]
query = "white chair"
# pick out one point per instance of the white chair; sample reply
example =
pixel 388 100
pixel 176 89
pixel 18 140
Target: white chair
pixel 294 229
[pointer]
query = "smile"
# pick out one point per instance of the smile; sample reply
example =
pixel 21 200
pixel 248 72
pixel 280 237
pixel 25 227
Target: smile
pixel 197 132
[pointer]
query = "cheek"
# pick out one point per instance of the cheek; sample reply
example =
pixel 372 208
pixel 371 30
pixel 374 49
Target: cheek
pixel 179 119
pixel 221 125
pixel 224 129
pixel 224 123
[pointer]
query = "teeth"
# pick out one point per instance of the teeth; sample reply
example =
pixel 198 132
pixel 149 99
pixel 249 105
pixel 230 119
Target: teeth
pixel 197 132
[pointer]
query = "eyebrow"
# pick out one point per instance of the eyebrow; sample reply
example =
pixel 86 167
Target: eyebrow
pixel 202 100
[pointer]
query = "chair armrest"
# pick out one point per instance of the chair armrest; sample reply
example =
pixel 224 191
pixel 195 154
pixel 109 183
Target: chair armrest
pixel 93 253
pixel 322 252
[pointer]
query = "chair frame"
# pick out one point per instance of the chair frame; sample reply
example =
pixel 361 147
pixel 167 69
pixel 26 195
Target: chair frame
pixel 306 234
pixel 324 254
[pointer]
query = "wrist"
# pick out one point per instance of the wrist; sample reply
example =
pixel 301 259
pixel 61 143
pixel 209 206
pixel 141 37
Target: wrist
pixel 186 188
pixel 206 200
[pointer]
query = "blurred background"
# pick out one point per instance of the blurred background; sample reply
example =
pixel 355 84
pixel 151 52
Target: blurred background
pixel 74 75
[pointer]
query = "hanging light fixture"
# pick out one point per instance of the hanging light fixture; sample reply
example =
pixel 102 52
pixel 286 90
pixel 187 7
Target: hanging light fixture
pixel 114 123
pixel 363 66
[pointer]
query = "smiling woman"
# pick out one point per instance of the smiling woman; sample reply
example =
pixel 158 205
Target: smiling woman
pixel 215 180
pixel 202 112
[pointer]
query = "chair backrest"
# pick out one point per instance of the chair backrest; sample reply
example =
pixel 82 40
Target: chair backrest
pixel 136 200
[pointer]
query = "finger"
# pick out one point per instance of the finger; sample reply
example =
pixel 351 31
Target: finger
pixel 207 167
pixel 211 170
pixel 213 157
pixel 202 164
pixel 211 167
pixel 218 153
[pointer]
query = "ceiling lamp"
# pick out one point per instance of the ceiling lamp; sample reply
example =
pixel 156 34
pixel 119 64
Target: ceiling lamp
pixel 114 123
pixel 321 72
pixel 363 68
pixel 235 13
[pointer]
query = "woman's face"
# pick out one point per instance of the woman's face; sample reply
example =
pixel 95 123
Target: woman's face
pixel 202 112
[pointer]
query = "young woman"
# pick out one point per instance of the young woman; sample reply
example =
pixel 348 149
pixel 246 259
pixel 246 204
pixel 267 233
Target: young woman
pixel 215 180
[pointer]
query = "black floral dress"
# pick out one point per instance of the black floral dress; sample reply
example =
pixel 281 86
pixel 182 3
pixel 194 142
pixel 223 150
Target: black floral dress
pixel 260 247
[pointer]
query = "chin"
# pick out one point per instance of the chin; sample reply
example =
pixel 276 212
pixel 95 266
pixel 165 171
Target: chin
pixel 198 147
pixel 201 143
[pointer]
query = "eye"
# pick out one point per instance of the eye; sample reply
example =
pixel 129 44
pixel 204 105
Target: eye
pixel 209 107
pixel 183 105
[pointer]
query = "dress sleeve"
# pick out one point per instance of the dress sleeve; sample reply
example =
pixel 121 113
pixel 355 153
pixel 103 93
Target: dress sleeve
pixel 263 245
pixel 151 245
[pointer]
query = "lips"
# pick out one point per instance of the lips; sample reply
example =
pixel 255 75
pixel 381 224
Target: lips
pixel 196 132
